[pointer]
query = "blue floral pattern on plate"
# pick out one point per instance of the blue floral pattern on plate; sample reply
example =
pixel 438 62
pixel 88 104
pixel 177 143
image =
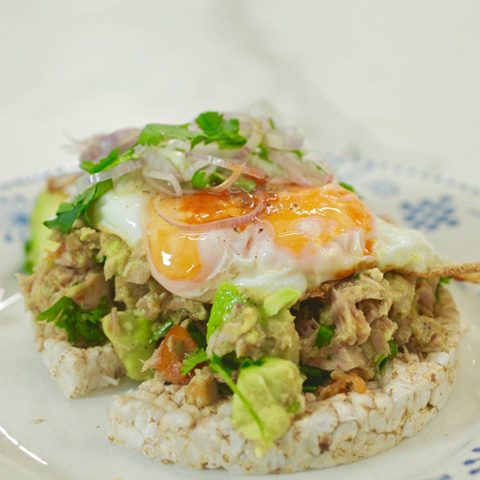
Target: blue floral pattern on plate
pixel 430 214
pixel 14 218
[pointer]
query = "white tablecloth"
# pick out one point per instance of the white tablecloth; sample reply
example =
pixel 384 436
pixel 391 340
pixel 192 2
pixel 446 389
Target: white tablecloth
pixel 396 81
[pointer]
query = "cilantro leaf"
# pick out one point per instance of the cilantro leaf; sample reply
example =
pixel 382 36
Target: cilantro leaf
pixel 197 335
pixel 216 129
pixel 103 164
pixel 264 152
pixel 154 133
pixel 113 159
pixel 299 154
pixel 82 327
pixel 68 212
pixel 315 377
pixel 442 281
pixel 324 335
pixel 348 187
pixel 383 359
pixel 198 356
pixel 163 330
pixel 199 181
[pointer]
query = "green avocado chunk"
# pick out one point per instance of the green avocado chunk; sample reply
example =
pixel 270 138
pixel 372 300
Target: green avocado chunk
pixel 45 207
pixel 274 391
pixel 253 324
pixel 131 340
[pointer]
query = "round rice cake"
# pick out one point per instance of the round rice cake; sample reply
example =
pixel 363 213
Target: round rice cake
pixel 155 419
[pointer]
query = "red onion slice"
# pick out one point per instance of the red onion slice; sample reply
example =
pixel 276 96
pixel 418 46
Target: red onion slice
pixel 220 162
pixel 299 172
pixel 167 177
pixel 321 162
pixel 252 143
pixel 275 139
pixel 99 146
pixel 235 175
pixel 87 180
pixel 215 225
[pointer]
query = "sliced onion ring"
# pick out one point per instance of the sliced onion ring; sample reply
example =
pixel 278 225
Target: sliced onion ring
pixel 236 172
pixel 300 173
pixel 275 139
pixel 167 177
pixel 87 180
pixel 220 162
pixel 215 225
pixel 320 161
pixel 253 142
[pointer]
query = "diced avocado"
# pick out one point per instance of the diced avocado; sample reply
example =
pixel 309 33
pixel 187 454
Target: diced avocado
pixel 225 299
pixel 131 340
pixel 253 324
pixel 274 391
pixel 285 298
pixel 45 207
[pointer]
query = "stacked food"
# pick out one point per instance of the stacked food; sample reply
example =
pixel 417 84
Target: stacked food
pixel 276 323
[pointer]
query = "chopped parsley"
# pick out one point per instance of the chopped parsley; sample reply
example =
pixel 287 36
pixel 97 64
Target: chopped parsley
pixel 300 155
pixel 324 335
pixel 442 281
pixel 294 407
pixel 198 356
pixel 346 186
pixel 270 121
pixel 263 152
pixel 197 335
pixel 68 212
pixel 200 181
pixel 315 378
pixel 154 133
pixel 216 129
pixel 383 359
pixel 82 327
pixel 162 331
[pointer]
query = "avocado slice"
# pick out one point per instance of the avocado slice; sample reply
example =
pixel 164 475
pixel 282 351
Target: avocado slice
pixel 46 205
pixel 131 340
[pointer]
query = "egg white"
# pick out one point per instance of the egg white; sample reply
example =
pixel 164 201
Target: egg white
pixel 251 258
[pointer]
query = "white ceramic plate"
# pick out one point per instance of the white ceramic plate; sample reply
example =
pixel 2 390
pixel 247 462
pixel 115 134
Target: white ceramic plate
pixel 45 436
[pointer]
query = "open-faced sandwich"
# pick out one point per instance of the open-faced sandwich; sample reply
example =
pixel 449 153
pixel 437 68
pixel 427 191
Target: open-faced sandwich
pixel 275 322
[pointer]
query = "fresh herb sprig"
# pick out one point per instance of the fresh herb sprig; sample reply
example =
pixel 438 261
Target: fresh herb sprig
pixel 216 129
pixel 201 181
pixel 383 359
pixel 197 357
pixel 324 336
pixel 441 282
pixel 83 328
pixel 315 378
pixel 68 212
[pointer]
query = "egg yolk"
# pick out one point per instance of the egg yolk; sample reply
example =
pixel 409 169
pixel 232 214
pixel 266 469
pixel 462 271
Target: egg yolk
pixel 334 210
pixel 299 216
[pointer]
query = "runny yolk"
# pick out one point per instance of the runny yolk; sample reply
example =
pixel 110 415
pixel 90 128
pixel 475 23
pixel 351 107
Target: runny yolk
pixel 299 216
pixel 331 210
pixel 174 252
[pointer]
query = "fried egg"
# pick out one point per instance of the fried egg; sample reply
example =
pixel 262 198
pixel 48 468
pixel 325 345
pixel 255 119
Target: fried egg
pixel 300 238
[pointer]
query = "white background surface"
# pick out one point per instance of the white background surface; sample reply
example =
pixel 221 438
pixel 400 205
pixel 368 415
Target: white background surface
pixel 396 81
